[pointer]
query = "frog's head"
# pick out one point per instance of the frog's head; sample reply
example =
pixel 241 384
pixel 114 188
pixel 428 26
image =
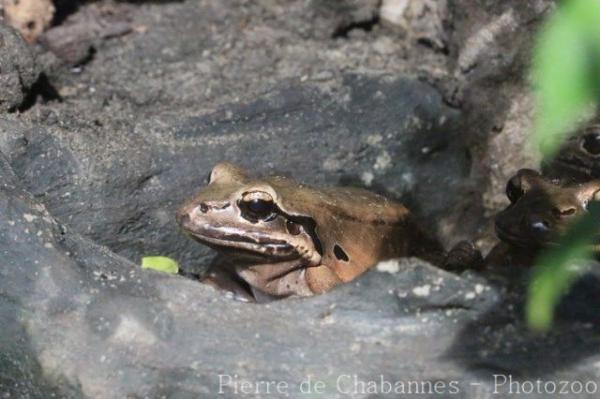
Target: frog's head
pixel 540 209
pixel 243 217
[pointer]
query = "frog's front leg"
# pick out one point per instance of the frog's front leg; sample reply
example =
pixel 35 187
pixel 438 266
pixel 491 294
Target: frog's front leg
pixel 223 276
pixel 464 256
pixel 279 279
pixel 321 279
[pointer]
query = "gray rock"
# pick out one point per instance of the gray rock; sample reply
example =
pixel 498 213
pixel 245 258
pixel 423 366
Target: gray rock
pixel 84 322
pixel 491 43
pixel 89 184
pixel 148 333
pixel 421 21
pixel 17 69
pixel 121 189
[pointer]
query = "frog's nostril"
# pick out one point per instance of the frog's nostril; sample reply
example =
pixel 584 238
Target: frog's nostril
pixel 561 212
pixel 203 207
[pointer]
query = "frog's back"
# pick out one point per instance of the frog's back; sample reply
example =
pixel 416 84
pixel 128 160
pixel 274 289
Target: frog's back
pixel 350 203
pixel 356 228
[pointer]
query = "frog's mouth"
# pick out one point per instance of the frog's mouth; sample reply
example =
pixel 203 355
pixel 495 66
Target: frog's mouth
pixel 231 239
pixel 522 240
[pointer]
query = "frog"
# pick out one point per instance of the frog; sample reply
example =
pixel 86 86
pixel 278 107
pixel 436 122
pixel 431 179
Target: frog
pixel 541 209
pixel 279 238
pixel 578 159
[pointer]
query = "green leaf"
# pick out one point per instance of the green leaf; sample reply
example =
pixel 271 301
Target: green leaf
pixel 566 77
pixel 160 263
pixel 565 71
pixel 555 270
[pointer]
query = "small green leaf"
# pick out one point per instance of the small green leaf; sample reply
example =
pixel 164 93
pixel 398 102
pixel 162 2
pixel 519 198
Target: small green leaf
pixel 161 264
pixel 555 271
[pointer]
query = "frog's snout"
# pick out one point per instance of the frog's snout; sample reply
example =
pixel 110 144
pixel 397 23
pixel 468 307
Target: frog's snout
pixel 183 218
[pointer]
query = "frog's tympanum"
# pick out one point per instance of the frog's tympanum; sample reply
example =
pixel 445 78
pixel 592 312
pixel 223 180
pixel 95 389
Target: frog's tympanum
pixel 282 238
pixel 579 158
pixel 539 213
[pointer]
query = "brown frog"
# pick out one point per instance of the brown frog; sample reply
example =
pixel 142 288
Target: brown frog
pixel 578 160
pixel 282 238
pixel 539 212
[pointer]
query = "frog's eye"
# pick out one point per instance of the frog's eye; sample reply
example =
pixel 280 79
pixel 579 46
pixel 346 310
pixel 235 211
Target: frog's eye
pixel 257 205
pixel 591 143
pixel 520 183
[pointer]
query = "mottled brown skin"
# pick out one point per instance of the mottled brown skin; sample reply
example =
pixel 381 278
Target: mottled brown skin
pixel 283 238
pixel 578 160
pixel 540 211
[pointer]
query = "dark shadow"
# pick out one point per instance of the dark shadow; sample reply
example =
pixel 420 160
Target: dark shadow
pixel 150 1
pixel 91 53
pixel 426 42
pixel 64 8
pixel 344 30
pixel 41 90
pixel 500 342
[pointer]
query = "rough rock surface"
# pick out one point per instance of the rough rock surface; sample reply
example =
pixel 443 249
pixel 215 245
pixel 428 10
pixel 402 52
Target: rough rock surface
pixel 490 47
pixel 84 322
pixel 18 71
pixel 423 21
pixel 122 190
pixel 99 156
